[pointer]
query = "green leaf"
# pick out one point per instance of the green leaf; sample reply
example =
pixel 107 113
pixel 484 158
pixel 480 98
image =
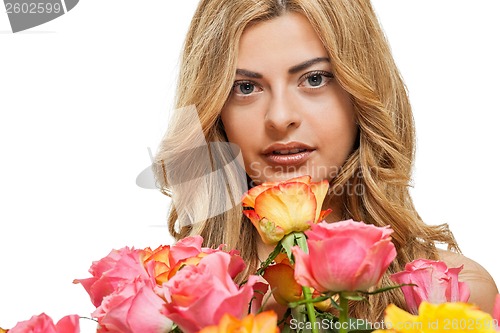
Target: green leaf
pixel 287 243
pixel 175 329
pixel 301 241
pixel 327 316
pixel 355 297
pixel 299 313
pixel 286 329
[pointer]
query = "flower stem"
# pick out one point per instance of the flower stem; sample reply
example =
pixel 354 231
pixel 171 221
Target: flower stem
pixel 312 300
pixel 269 260
pixel 344 314
pixel 311 313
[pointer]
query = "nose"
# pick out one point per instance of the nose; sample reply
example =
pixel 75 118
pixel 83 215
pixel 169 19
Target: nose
pixel 282 113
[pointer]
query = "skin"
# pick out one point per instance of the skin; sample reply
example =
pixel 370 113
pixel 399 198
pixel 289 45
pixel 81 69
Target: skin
pixel 284 92
pixel 482 286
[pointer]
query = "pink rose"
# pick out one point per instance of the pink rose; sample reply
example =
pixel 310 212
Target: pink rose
pixel 118 267
pixel 44 324
pixel 436 283
pixel 133 307
pixel 344 256
pixel 496 309
pixel 260 289
pixel 186 248
pixel 198 296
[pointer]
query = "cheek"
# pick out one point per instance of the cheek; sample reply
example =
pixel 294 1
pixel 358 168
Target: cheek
pixel 230 123
pixel 336 125
pixel 238 127
pixel 342 133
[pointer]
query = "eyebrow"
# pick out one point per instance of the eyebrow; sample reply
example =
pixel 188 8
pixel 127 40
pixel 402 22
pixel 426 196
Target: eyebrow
pixel 250 74
pixel 306 64
pixel 293 70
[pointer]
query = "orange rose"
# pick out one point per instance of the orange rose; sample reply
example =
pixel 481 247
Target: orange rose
pixel 164 267
pixel 160 257
pixel 165 261
pixel 279 208
pixel 265 322
pixel 285 289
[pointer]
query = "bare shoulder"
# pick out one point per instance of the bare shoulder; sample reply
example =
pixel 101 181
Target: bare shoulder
pixel 482 286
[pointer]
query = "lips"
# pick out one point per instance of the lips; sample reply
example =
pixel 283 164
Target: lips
pixel 287 154
pixel 288 151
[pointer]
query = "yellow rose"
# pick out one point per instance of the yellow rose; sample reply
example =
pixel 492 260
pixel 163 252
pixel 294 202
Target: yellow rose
pixel 439 318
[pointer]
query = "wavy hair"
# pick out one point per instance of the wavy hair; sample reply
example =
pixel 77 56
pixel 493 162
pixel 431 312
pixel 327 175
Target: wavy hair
pixel 381 163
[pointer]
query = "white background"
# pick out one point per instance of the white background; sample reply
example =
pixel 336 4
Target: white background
pixel 83 96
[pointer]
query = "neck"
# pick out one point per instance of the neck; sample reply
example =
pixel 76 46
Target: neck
pixel 336 206
pixel 264 250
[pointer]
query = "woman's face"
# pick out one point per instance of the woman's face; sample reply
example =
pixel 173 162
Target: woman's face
pixel 286 111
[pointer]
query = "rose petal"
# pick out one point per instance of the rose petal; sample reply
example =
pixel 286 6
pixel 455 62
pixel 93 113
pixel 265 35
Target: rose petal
pixel 291 206
pixel 282 282
pixel 320 190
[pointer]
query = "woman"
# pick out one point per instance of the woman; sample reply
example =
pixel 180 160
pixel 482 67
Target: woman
pixel 298 87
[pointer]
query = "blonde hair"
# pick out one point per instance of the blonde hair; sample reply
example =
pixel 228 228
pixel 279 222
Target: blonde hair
pixel 381 162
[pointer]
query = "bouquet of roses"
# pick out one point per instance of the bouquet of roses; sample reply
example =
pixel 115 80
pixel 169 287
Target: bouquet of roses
pixel 316 270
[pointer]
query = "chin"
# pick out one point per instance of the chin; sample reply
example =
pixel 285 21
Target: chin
pixel 285 177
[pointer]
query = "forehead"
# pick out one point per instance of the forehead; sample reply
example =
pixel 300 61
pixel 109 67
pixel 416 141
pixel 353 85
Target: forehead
pixel 286 39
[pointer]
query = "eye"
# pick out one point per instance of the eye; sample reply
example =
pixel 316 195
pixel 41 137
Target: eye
pixel 316 79
pixel 245 88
